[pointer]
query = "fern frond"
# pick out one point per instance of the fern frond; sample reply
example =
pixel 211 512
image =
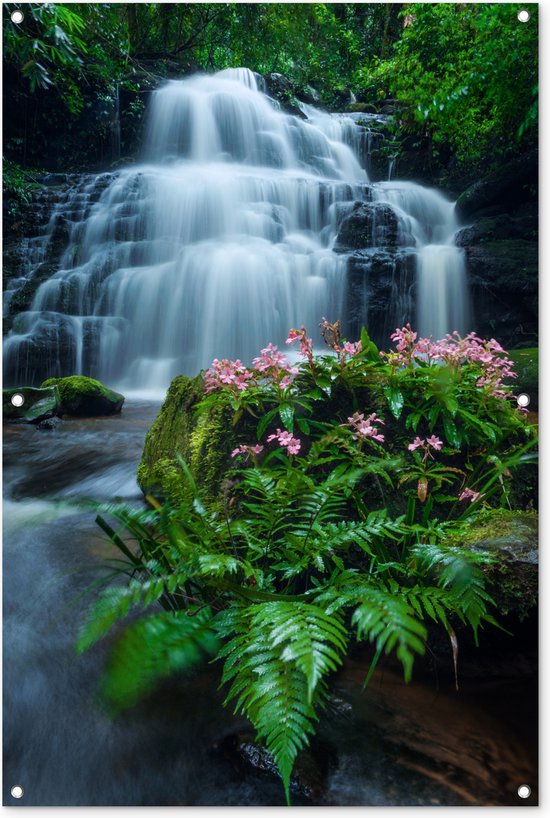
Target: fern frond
pixel 276 660
pixel 458 571
pixel 389 622
pixel 154 648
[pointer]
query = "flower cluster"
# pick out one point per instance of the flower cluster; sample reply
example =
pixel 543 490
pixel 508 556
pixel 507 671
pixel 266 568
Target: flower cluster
pixel 332 337
pixel 430 442
pixel 275 365
pixel 225 373
pixel 453 349
pixel 292 444
pixel 248 450
pixel 306 345
pixel 363 427
pixel 470 495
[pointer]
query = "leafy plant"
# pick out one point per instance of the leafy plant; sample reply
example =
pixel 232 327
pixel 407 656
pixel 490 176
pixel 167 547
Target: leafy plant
pixel 303 558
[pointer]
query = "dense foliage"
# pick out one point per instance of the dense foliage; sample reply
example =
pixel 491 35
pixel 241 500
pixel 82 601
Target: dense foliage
pixel 447 66
pixel 340 523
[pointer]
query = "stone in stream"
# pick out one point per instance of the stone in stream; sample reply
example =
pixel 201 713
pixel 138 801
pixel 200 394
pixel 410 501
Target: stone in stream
pixel 371 224
pixel 312 766
pixel 85 397
pixel 37 404
pixel 49 424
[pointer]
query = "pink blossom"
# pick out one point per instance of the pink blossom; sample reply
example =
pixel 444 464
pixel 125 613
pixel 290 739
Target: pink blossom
pixel 292 444
pixel 470 495
pixel 352 348
pixel 247 450
pixel 306 346
pixel 417 442
pixel 434 442
pixel 225 373
pixel 365 428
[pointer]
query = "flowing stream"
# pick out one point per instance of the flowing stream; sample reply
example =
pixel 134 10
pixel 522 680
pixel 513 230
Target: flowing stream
pixel 218 242
pixel 393 744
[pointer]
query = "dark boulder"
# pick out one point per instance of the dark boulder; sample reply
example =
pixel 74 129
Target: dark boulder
pixel 85 397
pixel 371 224
pixel 308 779
pixel 281 89
pixel 49 424
pixel 501 191
pixel 380 293
pixel 503 277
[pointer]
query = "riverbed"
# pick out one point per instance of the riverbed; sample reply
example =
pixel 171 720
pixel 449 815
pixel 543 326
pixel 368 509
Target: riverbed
pixel 391 744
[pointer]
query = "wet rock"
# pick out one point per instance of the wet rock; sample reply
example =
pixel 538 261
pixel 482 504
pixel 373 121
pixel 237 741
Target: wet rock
pixel 362 108
pixel 512 538
pixel 372 224
pixel 310 771
pixel 85 397
pixel 503 276
pixel 205 443
pixel 38 404
pixel 284 91
pixel 49 424
pixel 309 95
pixel 501 191
pixel 380 292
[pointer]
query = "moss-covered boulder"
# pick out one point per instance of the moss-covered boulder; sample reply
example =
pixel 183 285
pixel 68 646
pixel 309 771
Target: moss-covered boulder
pixel 85 397
pixel 204 439
pixel 512 537
pixel 37 404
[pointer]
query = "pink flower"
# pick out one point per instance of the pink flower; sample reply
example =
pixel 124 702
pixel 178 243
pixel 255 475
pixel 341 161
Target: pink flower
pixel 352 349
pixel 247 450
pixel 417 442
pixel 434 442
pixel 365 428
pixel 306 346
pixel 470 495
pixel 232 374
pixel 292 444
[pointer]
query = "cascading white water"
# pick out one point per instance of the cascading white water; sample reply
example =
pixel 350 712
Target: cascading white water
pixel 442 290
pixel 217 244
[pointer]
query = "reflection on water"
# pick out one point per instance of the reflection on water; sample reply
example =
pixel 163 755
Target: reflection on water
pixel 399 745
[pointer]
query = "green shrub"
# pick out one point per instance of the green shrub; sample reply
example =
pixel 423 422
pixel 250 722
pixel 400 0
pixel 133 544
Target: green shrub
pixel 304 558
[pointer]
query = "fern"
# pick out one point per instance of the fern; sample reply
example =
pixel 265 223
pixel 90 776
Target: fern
pixel 156 647
pixel 276 659
pixel 458 571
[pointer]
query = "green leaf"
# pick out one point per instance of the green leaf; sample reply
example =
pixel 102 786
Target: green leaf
pixel 286 413
pixel 369 350
pixel 303 425
pixel 452 433
pixel 395 400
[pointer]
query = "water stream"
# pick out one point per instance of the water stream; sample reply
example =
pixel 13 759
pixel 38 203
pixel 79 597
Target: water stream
pixel 218 242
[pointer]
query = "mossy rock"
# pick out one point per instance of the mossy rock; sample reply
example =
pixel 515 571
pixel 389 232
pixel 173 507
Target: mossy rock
pixel 526 363
pixel 204 440
pixel 38 404
pixel 512 537
pixel 85 397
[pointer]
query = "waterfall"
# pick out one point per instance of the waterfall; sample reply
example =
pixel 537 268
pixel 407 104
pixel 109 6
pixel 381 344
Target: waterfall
pixel 218 242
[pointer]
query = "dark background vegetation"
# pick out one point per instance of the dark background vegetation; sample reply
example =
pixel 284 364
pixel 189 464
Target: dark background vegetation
pixel 462 78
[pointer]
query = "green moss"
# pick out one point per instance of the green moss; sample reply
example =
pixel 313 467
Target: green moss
pixel 203 437
pixel 82 396
pixel 512 537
